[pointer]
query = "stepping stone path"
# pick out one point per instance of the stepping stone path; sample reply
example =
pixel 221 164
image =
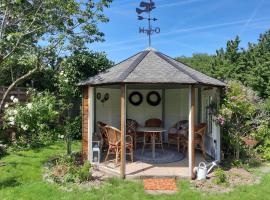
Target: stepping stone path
pixel 160 185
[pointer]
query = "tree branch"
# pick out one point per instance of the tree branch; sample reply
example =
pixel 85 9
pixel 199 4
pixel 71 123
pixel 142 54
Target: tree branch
pixel 3 23
pixel 26 32
pixel 17 81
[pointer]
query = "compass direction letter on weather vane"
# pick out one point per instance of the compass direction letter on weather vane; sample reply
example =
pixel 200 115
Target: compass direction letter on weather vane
pixel 146 7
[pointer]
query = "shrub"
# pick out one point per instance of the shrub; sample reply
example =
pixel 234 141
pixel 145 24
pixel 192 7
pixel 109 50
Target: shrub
pixel 221 177
pixel 34 121
pixel 3 150
pixel 84 173
pixel 241 116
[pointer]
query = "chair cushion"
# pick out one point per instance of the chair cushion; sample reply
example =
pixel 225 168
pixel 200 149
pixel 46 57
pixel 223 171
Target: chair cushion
pixel 183 124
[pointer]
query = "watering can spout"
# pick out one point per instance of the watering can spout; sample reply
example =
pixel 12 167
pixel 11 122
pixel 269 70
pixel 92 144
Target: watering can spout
pixel 214 164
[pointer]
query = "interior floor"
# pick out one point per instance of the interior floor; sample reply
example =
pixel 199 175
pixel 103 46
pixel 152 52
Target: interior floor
pixel 139 169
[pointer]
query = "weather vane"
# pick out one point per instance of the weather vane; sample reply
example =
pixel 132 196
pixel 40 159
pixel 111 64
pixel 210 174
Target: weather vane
pixel 147 8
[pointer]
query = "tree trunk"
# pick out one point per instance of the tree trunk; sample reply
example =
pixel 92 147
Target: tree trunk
pixel 237 152
pixel 69 146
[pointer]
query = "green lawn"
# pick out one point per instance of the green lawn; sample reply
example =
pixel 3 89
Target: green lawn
pixel 21 178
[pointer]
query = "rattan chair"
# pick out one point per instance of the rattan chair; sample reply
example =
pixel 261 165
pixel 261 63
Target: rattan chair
pixel 131 126
pixel 147 136
pixel 114 140
pixel 176 131
pixel 199 137
pixel 103 135
pixel 153 122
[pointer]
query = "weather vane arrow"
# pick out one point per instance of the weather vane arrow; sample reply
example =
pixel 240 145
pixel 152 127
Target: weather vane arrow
pixel 147 7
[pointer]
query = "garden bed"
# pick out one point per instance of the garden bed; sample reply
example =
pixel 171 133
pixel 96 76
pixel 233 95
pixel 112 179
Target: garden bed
pixel 231 178
pixel 69 171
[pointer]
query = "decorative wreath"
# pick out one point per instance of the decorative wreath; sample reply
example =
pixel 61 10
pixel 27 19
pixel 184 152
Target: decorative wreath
pixel 98 96
pixel 131 100
pixel 106 97
pixel 153 102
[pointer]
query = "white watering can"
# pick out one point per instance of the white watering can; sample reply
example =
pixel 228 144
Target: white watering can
pixel 202 171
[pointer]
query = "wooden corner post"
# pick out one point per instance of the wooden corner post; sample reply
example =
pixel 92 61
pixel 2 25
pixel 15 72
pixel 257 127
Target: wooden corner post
pixel 85 99
pixel 123 131
pixel 87 122
pixel 191 147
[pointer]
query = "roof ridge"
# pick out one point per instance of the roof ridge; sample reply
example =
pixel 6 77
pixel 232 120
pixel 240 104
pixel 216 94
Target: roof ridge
pixel 165 57
pixel 133 65
pixel 106 70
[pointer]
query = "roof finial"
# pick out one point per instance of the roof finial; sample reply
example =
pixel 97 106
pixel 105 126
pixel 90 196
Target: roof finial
pixel 147 7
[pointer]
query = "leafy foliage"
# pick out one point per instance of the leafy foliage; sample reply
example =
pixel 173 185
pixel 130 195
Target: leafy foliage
pixel 199 61
pixel 250 66
pixel 3 150
pixel 35 34
pixel 79 66
pixel 35 122
pixel 241 116
pixel 221 177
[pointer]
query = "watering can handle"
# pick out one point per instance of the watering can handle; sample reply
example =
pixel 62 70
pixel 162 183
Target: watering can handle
pixel 202 164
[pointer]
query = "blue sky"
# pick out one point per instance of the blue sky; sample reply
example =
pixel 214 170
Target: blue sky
pixel 187 26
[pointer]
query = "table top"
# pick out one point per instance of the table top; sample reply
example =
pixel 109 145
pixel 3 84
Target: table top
pixel 150 129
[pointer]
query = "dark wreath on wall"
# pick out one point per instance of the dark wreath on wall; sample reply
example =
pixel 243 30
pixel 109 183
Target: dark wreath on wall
pixel 105 97
pixel 157 98
pixel 134 102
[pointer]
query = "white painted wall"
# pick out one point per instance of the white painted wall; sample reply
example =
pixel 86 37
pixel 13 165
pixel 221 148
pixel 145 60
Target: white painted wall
pixel 109 111
pixel 176 106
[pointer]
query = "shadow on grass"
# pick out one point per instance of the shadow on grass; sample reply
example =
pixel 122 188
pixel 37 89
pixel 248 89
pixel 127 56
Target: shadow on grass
pixel 9 182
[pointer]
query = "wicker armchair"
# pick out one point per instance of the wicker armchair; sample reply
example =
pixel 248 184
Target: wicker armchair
pixel 114 140
pixel 131 126
pixel 199 138
pixel 103 135
pixel 153 123
pixel 147 136
pixel 178 130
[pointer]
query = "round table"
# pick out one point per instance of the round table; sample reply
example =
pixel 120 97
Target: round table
pixel 152 132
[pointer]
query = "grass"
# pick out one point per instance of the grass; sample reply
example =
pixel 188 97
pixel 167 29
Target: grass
pixel 21 178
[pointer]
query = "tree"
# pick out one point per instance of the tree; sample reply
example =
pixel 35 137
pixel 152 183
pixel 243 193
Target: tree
pixel 79 66
pixel 250 66
pixel 199 61
pixel 31 30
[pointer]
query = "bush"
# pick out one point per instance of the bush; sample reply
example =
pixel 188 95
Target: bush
pixel 34 121
pixel 84 173
pixel 3 150
pixel 242 116
pixel 221 177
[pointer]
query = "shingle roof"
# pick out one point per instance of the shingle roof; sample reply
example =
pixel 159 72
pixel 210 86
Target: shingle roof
pixel 150 66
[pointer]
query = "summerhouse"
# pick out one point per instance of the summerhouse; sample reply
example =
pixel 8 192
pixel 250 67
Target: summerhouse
pixel 155 108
